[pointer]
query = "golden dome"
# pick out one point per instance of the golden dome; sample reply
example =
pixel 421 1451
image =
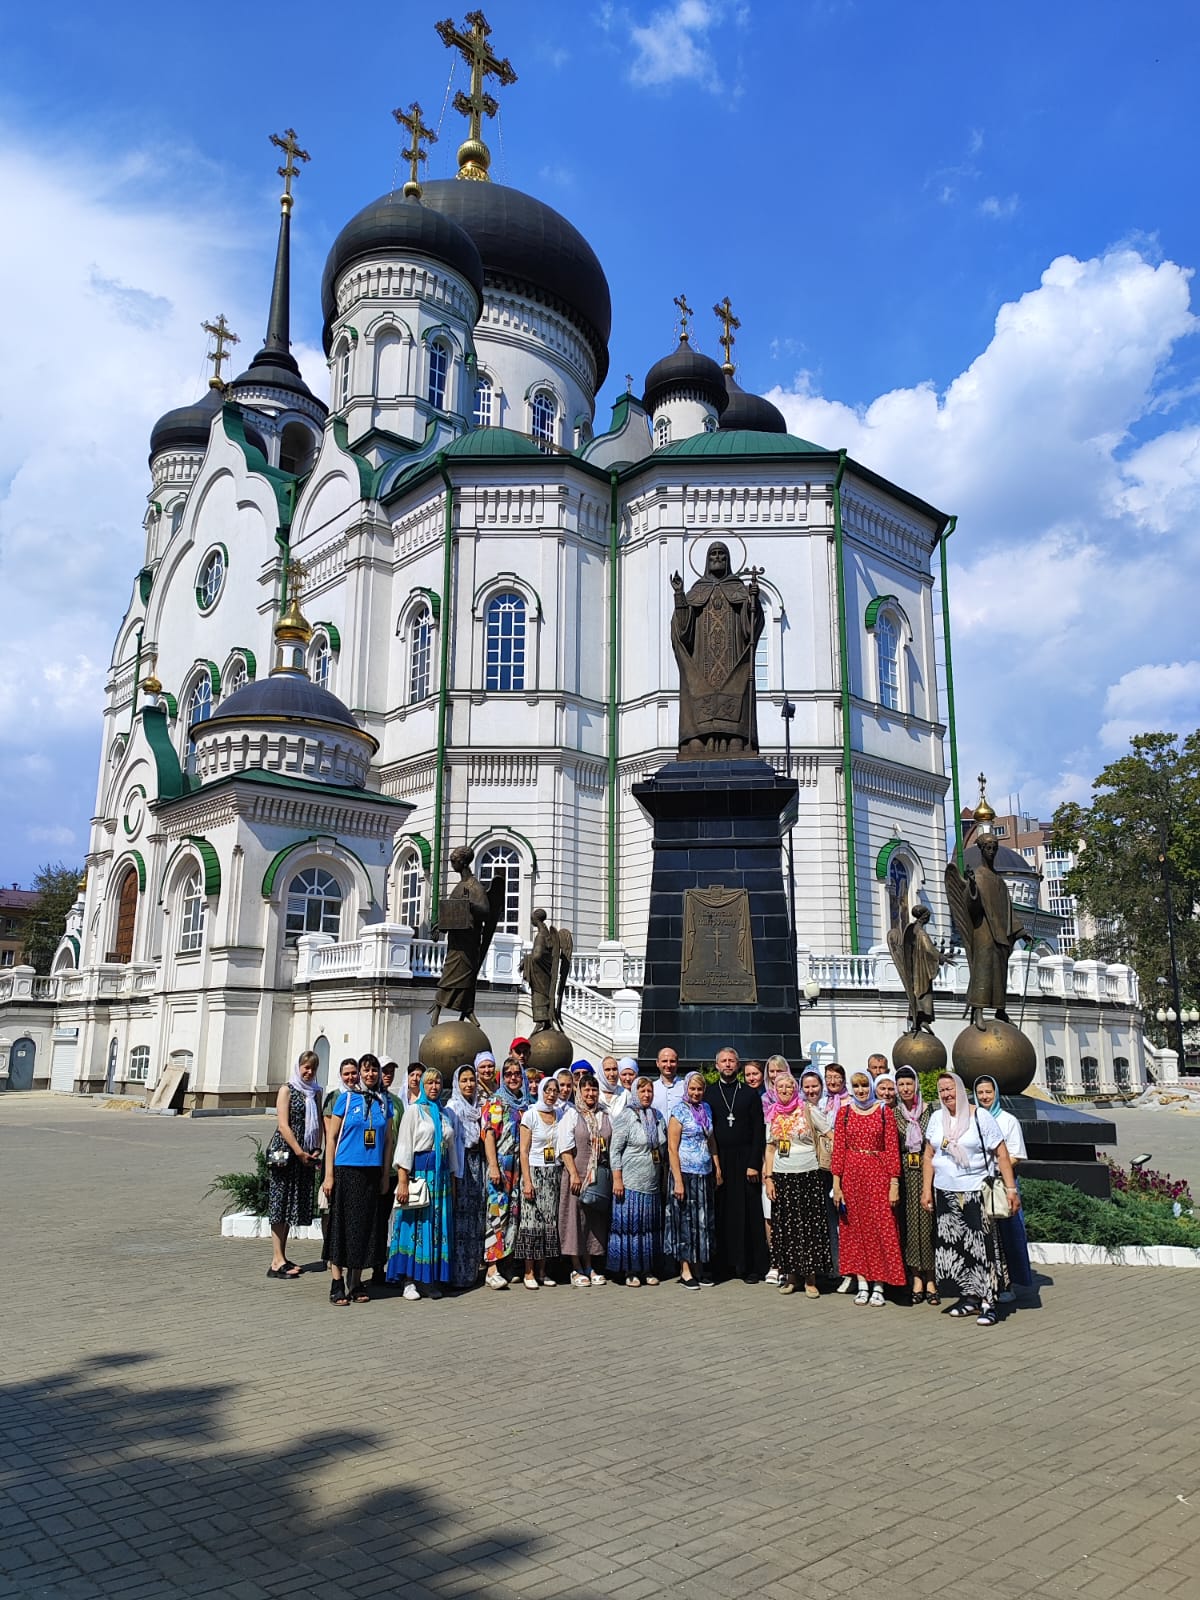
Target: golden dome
pixel 983 811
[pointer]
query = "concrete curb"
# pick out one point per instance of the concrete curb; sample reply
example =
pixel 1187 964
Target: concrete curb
pixel 245 1225
pixel 1095 1255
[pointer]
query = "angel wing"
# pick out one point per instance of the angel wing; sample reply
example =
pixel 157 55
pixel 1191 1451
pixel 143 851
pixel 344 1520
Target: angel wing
pixel 562 970
pixel 960 907
pixel 899 943
pixel 496 893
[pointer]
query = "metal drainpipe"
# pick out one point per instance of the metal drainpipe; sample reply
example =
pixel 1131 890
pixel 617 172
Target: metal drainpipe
pixel 613 738
pixel 137 678
pixel 439 780
pixel 844 663
pixel 952 727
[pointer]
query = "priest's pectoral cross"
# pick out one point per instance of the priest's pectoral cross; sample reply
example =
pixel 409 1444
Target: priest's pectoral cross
pixel 223 334
pixel 415 154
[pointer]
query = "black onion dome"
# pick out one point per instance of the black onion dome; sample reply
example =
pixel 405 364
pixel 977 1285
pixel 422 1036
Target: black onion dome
pixel 187 427
pixel 283 694
pixel 685 368
pixel 407 227
pixel 273 373
pixel 523 240
pixel 750 412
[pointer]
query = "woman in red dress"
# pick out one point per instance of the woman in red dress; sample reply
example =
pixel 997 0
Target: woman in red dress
pixel 866 1186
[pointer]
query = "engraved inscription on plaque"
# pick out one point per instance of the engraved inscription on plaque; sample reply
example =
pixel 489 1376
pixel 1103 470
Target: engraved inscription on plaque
pixel 718 953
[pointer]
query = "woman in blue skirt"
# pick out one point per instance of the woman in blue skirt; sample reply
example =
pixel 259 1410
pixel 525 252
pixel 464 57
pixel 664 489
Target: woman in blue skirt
pixel 638 1152
pixel 422 1224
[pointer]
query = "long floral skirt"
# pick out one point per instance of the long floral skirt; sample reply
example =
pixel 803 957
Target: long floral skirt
pixel 537 1234
pixel 421 1241
pixel 799 1228
pixel 502 1208
pixel 635 1238
pixel 916 1224
pixel 689 1234
pixel 353 1217
pixel 292 1195
pixel 966 1257
pixel 468 1221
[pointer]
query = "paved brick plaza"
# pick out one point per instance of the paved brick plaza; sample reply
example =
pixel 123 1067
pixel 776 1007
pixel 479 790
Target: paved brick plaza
pixel 176 1424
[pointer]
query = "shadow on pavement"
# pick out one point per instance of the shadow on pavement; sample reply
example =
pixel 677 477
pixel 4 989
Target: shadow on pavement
pixel 109 1482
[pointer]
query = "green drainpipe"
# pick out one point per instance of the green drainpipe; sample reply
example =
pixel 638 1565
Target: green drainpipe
pixel 952 726
pixel 844 660
pixel 613 664
pixel 446 620
pixel 137 678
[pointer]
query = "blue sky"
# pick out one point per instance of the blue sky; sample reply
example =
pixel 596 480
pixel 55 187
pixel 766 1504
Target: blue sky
pixel 959 239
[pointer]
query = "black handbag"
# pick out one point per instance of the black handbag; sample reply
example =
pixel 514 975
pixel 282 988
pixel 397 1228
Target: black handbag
pixel 279 1152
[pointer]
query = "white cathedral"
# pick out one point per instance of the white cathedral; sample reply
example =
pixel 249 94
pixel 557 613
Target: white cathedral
pixel 437 612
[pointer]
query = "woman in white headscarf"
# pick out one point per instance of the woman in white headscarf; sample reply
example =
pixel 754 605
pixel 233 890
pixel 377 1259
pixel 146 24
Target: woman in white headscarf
pixel 293 1160
pixel 537 1227
pixel 963 1146
pixel 463 1114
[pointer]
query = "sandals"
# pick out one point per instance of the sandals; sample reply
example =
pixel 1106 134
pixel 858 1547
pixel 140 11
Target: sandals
pixel 652 1283
pixel 932 1297
pixel 918 1297
pixel 580 1280
pixel 283 1274
pixel 337 1292
pixel 963 1309
pixel 862 1297
pixel 812 1291
pixel 633 1283
pixel 987 1318
pixel 845 1286
pixel 598 1280
pixel 359 1295
pixel 876 1296
pixel 530 1282
pixel 787 1287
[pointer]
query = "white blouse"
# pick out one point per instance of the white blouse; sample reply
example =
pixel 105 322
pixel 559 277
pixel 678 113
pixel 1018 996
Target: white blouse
pixel 542 1135
pixel 947 1174
pixel 416 1138
pixel 1014 1139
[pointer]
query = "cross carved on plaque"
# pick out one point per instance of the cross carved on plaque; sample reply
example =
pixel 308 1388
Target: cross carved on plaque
pixel 223 334
pixel 484 64
pixel 416 153
pixel 724 314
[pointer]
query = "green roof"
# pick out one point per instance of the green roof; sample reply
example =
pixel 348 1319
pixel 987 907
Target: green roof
pixel 493 442
pixel 283 780
pixel 741 442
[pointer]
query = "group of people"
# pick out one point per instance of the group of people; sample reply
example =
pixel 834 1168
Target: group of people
pixel 590 1175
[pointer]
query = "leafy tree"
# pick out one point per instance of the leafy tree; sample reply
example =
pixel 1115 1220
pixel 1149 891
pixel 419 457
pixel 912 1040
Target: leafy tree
pixel 1138 840
pixel 58 886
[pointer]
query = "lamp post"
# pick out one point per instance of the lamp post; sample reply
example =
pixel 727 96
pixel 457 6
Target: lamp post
pixel 1176 1014
pixel 787 711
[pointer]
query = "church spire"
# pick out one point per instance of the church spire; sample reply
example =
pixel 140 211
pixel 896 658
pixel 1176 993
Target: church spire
pixel 277 347
pixel 474 157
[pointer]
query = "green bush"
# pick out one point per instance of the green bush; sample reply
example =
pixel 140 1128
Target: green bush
pixel 1057 1213
pixel 245 1191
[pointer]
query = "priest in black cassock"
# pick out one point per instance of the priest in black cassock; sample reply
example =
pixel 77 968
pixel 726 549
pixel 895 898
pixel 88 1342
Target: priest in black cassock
pixel 738 1127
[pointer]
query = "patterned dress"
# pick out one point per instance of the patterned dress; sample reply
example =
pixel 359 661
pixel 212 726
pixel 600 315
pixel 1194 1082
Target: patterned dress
pixel 916 1224
pixel 690 1230
pixel 294 1187
pixel 502 1201
pixel 866 1157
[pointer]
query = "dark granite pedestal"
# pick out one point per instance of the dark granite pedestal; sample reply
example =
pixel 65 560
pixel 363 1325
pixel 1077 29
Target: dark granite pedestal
pixel 1061 1143
pixel 719 823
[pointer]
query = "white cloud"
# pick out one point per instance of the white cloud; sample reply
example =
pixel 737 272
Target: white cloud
pixel 1073 549
pixel 673 46
pixel 56 838
pixel 999 210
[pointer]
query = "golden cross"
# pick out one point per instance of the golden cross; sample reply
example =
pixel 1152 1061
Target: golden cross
pixel 296 574
pixel 484 63
pixel 685 311
pixel 223 334
pixel 415 154
pixel 724 313
pixel 291 153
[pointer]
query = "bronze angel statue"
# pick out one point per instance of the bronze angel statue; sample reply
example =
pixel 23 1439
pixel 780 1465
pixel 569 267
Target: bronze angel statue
pixel 546 969
pixel 984 916
pixel 917 961
pixel 468 916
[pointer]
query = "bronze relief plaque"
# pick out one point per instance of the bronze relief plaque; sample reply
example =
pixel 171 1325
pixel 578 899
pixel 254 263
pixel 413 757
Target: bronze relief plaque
pixel 717 966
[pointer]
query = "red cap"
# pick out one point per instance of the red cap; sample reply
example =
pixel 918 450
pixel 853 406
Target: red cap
pixel 517 1042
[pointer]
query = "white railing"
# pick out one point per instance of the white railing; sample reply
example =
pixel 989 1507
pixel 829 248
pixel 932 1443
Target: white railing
pixel 1029 976
pixel 45 988
pixel 634 971
pixel 844 972
pixel 110 980
pixel 428 958
pixel 331 960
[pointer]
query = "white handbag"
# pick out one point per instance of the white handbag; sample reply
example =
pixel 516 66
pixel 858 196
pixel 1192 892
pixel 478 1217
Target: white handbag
pixel 418 1195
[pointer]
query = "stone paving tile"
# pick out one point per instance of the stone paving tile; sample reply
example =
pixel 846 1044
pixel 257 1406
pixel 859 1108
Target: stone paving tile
pixel 174 1424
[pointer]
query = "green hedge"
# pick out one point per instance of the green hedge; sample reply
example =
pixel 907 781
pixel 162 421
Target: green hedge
pixel 1057 1213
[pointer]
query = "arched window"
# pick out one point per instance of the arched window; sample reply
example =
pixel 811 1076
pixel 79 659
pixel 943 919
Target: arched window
pixel 199 703
pixel 1056 1074
pixel 420 656
pixel 297 448
pixel 410 882
pixel 191 915
pixel 439 367
pixel 543 418
pixel 314 904
pixel 484 401
pixel 899 882
pixel 662 432
pixel 762 658
pixel 710 424
pixel 176 516
pixel 1089 1068
pixel 1121 1072
pixel 127 897
pixel 342 373
pixel 212 576
pixel 504 665
pixel 887 643
pixel 501 860
pixel 320 660
pixel 237 676
pixel 138 1068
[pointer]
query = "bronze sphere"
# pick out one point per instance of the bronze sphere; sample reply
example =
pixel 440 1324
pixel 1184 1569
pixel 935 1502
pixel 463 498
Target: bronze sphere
pixel 923 1052
pixel 452 1045
pixel 550 1050
pixel 997 1050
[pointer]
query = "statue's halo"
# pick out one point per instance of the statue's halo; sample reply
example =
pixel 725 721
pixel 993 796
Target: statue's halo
pixel 701 543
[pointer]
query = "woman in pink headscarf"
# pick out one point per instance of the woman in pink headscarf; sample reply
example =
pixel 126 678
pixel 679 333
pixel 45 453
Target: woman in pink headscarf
pixel 792 1179
pixel 963 1146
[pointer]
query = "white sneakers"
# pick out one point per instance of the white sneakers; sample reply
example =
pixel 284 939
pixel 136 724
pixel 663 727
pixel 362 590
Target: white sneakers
pixel 496 1280
pixel 411 1292
pixel 772 1276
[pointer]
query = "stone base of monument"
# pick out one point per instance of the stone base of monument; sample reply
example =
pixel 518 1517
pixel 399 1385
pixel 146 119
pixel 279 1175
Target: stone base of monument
pixel 720 965
pixel 452 1045
pixel 1061 1143
pixel 550 1051
pixel 923 1052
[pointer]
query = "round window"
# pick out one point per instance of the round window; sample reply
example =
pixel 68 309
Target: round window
pixel 212 577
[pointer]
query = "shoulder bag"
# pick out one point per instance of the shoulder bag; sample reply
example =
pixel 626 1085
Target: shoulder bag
pixel 994 1194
